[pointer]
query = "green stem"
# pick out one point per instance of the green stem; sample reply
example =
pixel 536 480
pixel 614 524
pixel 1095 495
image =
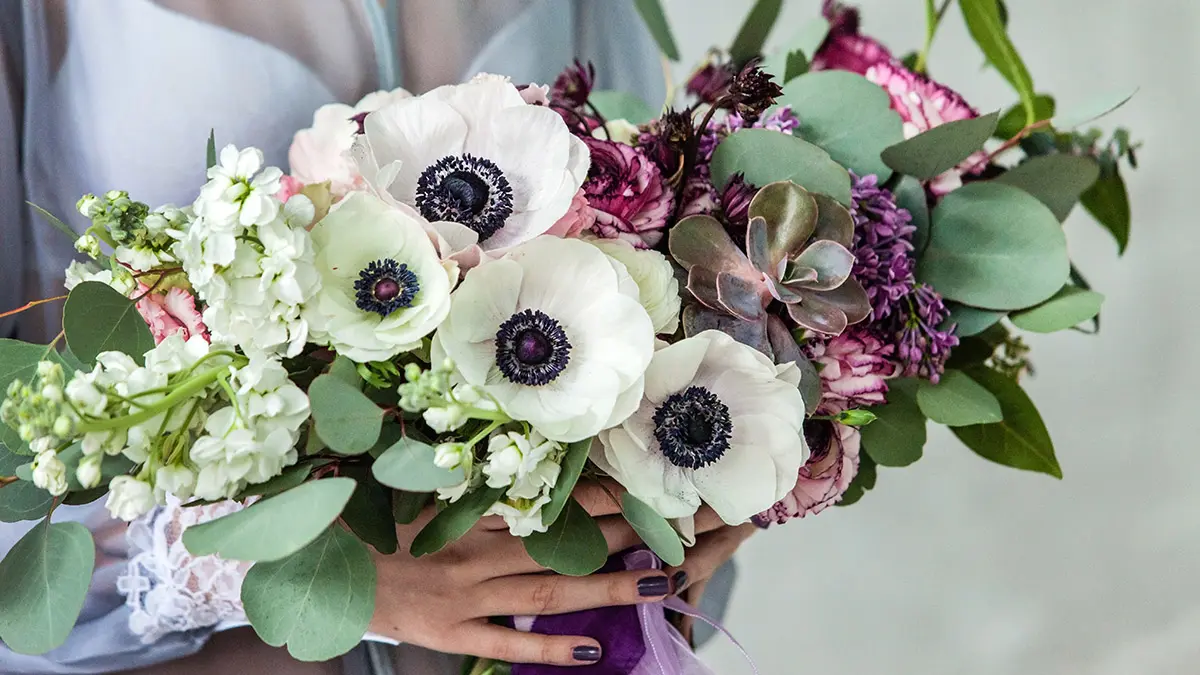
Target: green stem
pixel 483 434
pixel 179 395
pixel 101 234
pixel 933 19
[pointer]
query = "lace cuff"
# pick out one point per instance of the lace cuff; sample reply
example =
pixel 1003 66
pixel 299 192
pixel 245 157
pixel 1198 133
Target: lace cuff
pixel 167 589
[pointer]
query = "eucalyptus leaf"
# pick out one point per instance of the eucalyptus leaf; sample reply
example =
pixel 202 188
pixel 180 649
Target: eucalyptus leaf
pixel 96 319
pixel 655 19
pixel 1092 110
pixel 897 436
pixel 622 105
pixel 972 320
pixel 23 500
pixel 1014 122
pixel 454 521
pixel 368 514
pixel 572 545
pixel 18 361
pixel 44 580
pixel 346 370
pixel 318 601
pixel 654 530
pixel 795 65
pixel 1020 440
pixel 910 196
pixel 958 401
pixel 293 476
pixel 1068 308
pixel 210 155
pixel 345 419
pixel 754 31
pixel 407 506
pixel 846 115
pixel 931 153
pixel 54 221
pixel 1108 202
pixel 863 481
pixel 1056 180
pixel 764 156
pixel 273 528
pixel 986 26
pixel 408 465
pixel 568 475
pixel 995 246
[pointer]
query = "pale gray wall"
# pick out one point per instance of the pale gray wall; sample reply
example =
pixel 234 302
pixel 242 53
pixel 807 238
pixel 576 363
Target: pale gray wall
pixel 956 565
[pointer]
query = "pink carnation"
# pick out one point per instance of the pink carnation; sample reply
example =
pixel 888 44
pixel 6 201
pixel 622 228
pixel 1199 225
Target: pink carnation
pixel 824 478
pixel 845 48
pixel 855 367
pixel 924 104
pixel 168 314
pixel 580 216
pixel 289 186
pixel 627 191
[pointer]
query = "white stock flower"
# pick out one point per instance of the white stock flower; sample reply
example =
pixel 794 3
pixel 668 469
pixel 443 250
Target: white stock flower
pixel 129 498
pixel 88 473
pixel 239 191
pixel 527 466
pixel 658 289
pixel 476 160
pixel 79 272
pixel 523 517
pixel 177 481
pixel 49 473
pixel 322 152
pixel 554 333
pixel 450 455
pixel 720 424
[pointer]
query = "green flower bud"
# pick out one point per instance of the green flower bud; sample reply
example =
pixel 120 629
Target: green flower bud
pixel 856 418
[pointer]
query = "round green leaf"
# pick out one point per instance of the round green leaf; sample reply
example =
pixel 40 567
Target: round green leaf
pixel 995 247
pixel 1068 308
pixel 766 156
pixel 1056 180
pixel 863 481
pixel 910 196
pixel 1020 440
pixel 273 528
pixel 98 319
pixel 572 465
pixel 318 601
pixel 1108 202
pixel 932 153
pixel 407 506
pixel 368 514
pixel 408 465
pixel 572 545
pixel 621 105
pixel 958 401
pixel 897 436
pixel 654 530
pixel 454 521
pixel 970 321
pixel 43 583
pixel 18 361
pixel 346 420
pixel 21 500
pixel 848 116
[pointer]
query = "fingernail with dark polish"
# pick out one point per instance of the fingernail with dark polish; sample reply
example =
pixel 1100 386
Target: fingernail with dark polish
pixel 586 654
pixel 679 581
pixel 650 587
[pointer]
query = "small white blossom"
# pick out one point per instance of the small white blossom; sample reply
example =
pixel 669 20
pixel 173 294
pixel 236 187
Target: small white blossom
pixel 88 473
pixel 526 465
pixel 178 481
pixel 523 516
pixel 450 455
pixel 49 472
pixel 446 418
pixel 129 498
pixel 88 245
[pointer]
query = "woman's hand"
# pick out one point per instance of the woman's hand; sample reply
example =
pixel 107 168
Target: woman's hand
pixel 443 601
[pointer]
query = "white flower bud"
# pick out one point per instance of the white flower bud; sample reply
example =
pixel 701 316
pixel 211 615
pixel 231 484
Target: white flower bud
pixel 88 245
pixel 63 427
pixel 129 498
pixel 87 205
pixel 179 481
pixel 449 455
pixel 88 471
pixel 446 418
pixel 49 473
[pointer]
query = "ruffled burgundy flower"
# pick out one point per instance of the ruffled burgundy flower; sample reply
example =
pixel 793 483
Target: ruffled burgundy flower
pixel 665 141
pixel 573 86
pixel 824 478
pixel 735 201
pixel 924 104
pixel 844 47
pixel 882 245
pixel 699 197
pixel 628 193
pixel 711 82
pixel 922 347
pixel 855 367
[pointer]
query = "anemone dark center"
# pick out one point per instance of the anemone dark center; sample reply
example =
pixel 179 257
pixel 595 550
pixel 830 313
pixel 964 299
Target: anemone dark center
pixel 385 286
pixel 466 189
pixel 531 348
pixel 818 435
pixel 693 428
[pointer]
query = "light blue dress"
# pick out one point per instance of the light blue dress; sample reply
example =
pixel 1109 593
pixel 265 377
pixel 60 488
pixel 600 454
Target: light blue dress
pixel 122 94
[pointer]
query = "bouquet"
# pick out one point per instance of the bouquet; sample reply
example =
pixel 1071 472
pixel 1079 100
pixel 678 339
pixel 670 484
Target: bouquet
pixel 475 298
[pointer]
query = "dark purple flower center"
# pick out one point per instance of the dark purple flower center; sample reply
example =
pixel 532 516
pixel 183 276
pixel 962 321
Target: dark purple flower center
pixel 532 349
pixel 361 120
pixel 466 189
pixel 818 434
pixel 385 286
pixel 693 428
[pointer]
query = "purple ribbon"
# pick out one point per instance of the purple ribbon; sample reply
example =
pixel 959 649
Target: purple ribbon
pixel 636 640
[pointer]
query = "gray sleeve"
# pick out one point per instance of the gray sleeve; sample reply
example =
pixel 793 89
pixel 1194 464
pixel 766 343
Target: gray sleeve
pixel 12 187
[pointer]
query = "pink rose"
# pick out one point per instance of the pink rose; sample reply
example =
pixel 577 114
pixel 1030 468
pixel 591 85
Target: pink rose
pixel 627 191
pixel 174 312
pixel 855 367
pixel 824 478
pixel 580 216
pixel 924 104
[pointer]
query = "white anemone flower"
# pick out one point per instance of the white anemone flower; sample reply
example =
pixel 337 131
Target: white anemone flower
pixel 555 334
pixel 383 287
pixel 719 424
pixel 478 162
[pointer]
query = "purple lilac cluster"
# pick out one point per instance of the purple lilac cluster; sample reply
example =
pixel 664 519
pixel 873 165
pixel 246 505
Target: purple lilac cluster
pixel 903 312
